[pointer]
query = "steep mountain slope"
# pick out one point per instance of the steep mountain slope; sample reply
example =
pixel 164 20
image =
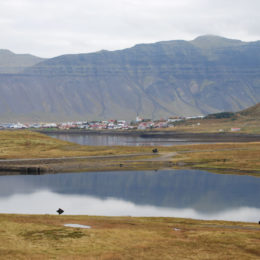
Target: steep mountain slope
pixel 13 63
pixel 206 75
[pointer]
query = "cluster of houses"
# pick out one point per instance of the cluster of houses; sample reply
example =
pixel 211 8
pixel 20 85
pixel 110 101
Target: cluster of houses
pixel 139 123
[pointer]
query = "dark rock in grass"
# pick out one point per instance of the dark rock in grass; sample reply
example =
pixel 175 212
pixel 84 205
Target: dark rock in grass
pixel 60 211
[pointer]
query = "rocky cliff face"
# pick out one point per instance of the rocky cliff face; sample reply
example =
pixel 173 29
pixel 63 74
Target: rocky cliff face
pixel 207 75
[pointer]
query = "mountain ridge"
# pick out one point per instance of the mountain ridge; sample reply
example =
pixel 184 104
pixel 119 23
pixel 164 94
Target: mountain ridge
pixel 156 80
pixel 11 62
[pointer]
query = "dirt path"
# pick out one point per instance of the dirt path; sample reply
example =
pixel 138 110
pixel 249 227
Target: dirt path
pixel 163 157
pixel 74 158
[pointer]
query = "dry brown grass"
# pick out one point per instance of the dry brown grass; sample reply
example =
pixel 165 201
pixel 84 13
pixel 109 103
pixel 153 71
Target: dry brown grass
pixel 242 157
pixel 45 237
pixel 233 156
pixel 27 144
pixel 247 126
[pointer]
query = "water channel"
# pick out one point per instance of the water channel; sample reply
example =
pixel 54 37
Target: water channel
pixel 104 139
pixel 172 193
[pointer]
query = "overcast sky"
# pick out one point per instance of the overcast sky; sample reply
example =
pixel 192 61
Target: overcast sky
pixel 49 28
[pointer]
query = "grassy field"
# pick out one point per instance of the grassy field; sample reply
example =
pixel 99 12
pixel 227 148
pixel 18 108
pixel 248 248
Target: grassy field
pixel 45 237
pixel 248 126
pixel 215 126
pixel 223 125
pixel 243 157
pixel 27 144
pixel 231 157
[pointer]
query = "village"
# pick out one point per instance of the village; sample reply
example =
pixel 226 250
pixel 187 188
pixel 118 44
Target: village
pixel 112 124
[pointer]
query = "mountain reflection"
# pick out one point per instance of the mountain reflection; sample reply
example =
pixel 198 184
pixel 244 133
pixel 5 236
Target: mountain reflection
pixel 179 189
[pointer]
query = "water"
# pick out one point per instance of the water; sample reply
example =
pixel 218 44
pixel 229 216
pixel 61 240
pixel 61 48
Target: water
pixel 172 193
pixel 77 226
pixel 96 139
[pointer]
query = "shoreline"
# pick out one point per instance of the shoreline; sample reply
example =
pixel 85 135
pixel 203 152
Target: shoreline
pixel 28 152
pixel 128 162
pixel 196 137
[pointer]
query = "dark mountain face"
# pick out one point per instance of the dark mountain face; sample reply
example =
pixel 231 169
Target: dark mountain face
pixel 207 75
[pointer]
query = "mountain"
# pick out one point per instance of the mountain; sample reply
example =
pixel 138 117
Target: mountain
pixel 207 75
pixel 14 63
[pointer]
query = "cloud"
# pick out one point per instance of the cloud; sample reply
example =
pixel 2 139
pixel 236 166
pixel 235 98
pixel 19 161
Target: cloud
pixel 53 27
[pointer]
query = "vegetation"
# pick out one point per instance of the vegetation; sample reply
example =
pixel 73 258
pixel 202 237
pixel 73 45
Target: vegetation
pixel 221 115
pixel 252 112
pixel 217 126
pixel 238 157
pixel 234 157
pixel 45 237
pixel 247 120
pixel 27 144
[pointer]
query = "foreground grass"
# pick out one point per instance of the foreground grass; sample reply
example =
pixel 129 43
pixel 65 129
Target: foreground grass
pixel 45 237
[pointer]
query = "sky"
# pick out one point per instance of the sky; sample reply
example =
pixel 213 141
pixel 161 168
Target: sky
pixel 49 28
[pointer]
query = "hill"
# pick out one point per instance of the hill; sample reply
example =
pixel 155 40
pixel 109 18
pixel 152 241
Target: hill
pixel 14 63
pixel 251 112
pixel 244 121
pixel 207 75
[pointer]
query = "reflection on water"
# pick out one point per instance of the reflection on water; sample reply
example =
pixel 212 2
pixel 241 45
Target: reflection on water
pixel 175 193
pixel 95 139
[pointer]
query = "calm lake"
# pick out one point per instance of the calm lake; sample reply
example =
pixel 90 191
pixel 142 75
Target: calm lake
pixel 173 193
pixel 96 139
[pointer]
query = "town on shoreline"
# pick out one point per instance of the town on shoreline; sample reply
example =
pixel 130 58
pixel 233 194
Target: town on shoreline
pixel 112 124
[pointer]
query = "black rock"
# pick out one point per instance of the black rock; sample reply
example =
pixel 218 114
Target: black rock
pixel 155 150
pixel 60 211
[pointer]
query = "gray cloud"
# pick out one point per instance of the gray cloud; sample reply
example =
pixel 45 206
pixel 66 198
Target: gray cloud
pixel 53 27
